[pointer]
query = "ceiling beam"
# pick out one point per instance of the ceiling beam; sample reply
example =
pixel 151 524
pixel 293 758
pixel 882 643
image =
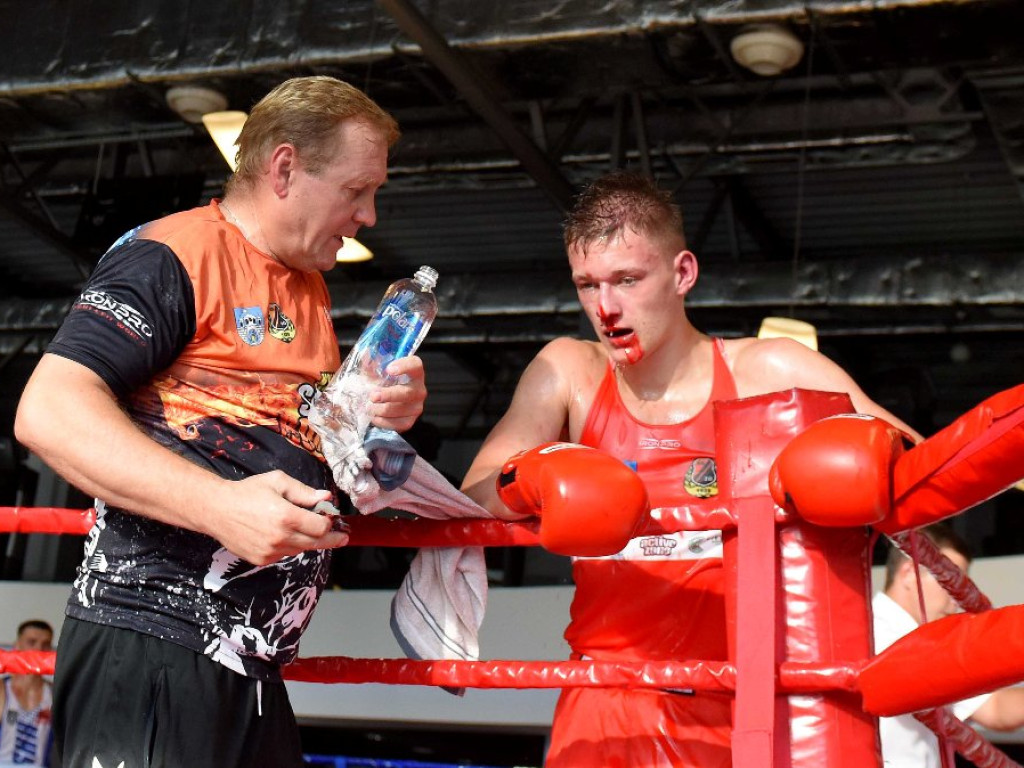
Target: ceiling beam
pixel 1002 98
pixel 769 242
pixel 904 283
pixel 163 42
pixel 480 97
pixel 897 282
pixel 44 232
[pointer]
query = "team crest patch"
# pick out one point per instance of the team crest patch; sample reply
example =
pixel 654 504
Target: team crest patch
pixel 279 325
pixel 701 479
pixel 249 324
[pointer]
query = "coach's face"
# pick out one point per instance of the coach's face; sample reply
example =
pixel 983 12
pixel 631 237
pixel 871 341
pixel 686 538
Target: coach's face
pixel 320 208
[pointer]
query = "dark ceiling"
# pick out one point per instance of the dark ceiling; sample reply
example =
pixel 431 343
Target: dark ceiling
pixel 876 189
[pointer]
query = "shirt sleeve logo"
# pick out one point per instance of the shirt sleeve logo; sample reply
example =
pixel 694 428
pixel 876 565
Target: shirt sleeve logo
pixel 249 324
pixel 126 316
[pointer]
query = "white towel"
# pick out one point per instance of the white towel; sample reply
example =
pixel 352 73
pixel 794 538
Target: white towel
pixel 437 611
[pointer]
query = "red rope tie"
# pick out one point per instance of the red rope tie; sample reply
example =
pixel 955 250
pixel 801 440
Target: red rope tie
pixel 717 676
pixel 957 583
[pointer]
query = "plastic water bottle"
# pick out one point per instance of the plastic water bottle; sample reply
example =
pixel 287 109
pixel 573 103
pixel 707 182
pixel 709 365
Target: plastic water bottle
pixel 396 329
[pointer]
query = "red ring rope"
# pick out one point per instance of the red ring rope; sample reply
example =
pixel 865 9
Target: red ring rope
pixel 374 531
pixel 697 675
pixel 46 520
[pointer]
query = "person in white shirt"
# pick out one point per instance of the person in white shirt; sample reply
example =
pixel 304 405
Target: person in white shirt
pixel 25 704
pixel 907 743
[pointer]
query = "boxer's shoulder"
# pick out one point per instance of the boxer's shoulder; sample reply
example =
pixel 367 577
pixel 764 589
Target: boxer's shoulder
pixel 572 368
pixel 566 347
pixel 579 362
pixel 587 364
pixel 766 365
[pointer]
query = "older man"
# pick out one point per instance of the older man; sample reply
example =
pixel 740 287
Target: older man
pixel 177 392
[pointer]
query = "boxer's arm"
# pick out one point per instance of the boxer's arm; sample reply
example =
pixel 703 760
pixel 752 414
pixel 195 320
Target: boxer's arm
pixel 775 365
pixel 538 413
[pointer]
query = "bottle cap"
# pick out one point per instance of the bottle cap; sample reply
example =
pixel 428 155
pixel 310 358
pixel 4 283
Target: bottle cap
pixel 427 276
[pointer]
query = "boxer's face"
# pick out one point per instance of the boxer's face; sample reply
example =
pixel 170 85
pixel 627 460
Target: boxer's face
pixel 630 290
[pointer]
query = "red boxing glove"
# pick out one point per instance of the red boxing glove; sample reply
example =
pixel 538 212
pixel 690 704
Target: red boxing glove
pixel 589 503
pixel 838 472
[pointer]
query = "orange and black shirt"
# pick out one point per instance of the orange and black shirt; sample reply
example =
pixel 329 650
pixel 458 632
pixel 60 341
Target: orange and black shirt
pixel 215 351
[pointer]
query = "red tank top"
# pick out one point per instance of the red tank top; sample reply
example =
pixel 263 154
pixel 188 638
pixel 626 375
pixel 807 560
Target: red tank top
pixel 660 598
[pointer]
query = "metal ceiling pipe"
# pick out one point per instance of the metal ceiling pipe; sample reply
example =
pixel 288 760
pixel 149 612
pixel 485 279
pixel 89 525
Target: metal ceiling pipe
pixel 129 137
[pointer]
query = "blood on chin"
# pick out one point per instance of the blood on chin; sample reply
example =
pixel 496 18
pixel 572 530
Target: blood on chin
pixel 629 347
pixel 634 354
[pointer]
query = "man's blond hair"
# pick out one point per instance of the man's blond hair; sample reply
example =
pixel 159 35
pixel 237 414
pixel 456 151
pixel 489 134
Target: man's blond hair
pixel 305 112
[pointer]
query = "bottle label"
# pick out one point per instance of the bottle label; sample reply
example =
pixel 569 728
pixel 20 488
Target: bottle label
pixel 394 333
pixel 394 313
pixel 396 329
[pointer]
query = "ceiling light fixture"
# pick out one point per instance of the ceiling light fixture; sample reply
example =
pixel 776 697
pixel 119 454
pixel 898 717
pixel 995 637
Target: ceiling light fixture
pixel 191 102
pixel 224 126
pixel 789 328
pixel 766 49
pixel 353 251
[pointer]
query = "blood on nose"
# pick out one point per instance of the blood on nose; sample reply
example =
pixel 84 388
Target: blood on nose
pixel 604 312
